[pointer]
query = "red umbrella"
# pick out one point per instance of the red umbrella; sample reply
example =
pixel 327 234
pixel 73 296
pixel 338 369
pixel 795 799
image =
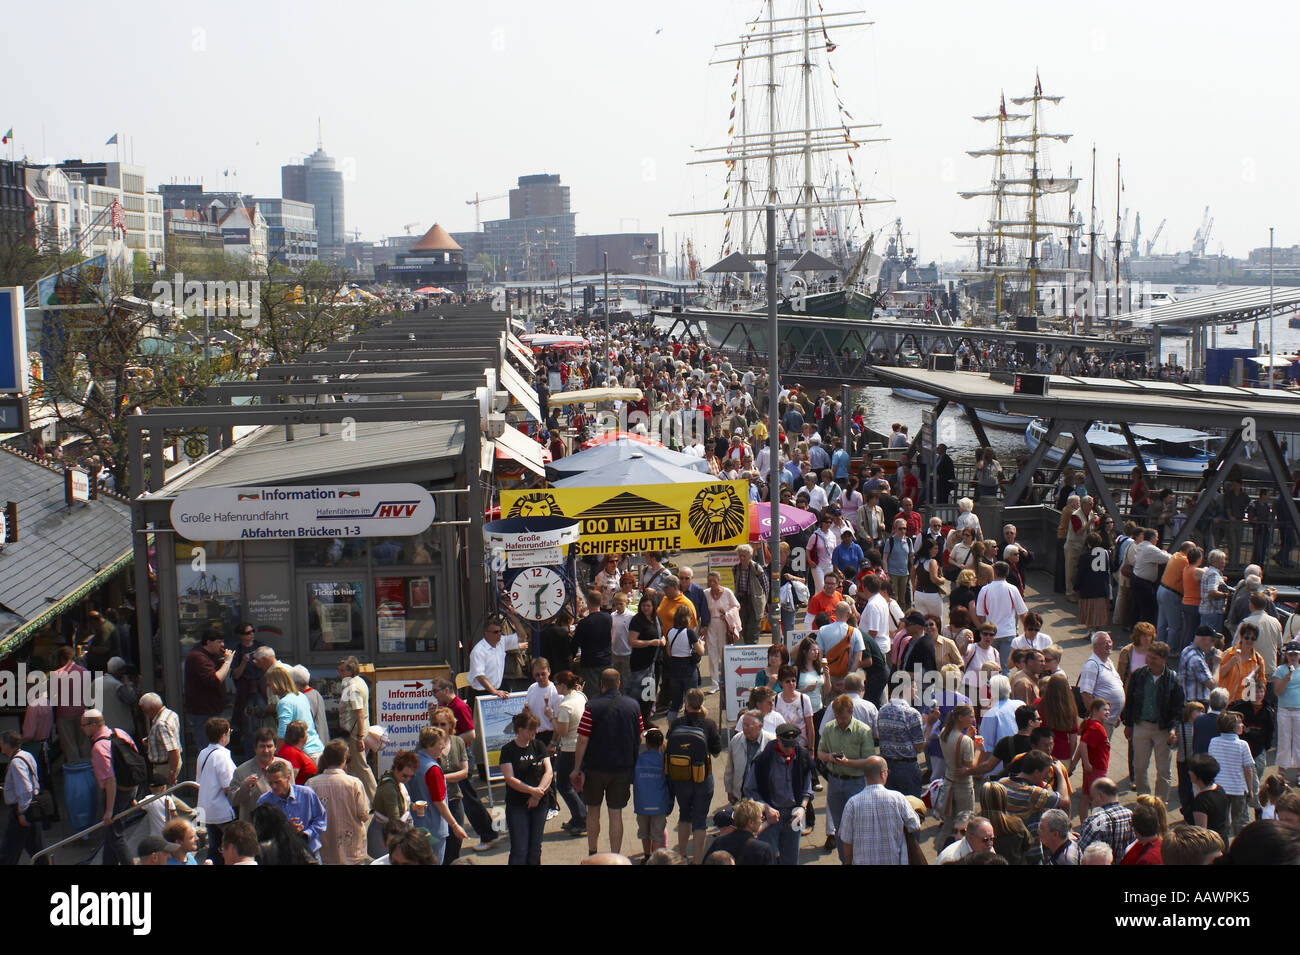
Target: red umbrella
pixel 615 435
pixel 793 520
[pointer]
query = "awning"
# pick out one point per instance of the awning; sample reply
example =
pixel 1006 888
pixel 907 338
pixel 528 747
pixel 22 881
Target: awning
pixel 16 638
pixel 584 395
pixel 517 446
pixel 521 391
pixel 516 348
pixel 1160 432
pixel 812 262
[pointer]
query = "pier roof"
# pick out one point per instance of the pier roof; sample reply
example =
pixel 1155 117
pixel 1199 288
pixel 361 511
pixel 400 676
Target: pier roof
pixel 1223 307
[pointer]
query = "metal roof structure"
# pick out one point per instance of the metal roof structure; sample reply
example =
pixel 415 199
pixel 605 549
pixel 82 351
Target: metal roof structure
pixel 380 449
pixel 62 553
pixel 1072 404
pixel 1225 307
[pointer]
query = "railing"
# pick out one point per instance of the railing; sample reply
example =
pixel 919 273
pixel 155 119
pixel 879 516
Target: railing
pixel 101 824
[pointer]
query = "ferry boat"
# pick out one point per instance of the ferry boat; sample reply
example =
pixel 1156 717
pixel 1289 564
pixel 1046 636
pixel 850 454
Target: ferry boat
pixel 1111 450
pixel 993 419
pixel 1178 452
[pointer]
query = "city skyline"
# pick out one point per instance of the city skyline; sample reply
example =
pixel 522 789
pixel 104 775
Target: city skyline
pixel 509 91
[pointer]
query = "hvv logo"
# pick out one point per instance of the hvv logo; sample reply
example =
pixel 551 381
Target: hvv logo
pixel 396 509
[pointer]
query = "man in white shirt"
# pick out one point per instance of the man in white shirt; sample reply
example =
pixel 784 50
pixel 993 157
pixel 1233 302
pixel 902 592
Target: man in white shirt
pixel 1097 678
pixel 1001 604
pixel 816 494
pixel 487 661
pixel 978 837
pixel 875 615
pixel 22 784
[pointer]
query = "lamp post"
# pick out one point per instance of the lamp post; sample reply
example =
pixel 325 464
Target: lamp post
pixel 1271 349
pixel 605 261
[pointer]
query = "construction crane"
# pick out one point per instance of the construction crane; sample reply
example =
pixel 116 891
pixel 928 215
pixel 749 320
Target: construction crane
pixel 1134 249
pixel 478 201
pixel 1202 237
pixel 409 226
pixel 1151 242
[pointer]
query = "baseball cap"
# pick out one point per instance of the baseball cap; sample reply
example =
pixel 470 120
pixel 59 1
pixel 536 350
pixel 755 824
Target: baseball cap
pixel 787 731
pixel 915 618
pixel 151 844
pixel 724 817
pixel 1292 647
pixel 157 779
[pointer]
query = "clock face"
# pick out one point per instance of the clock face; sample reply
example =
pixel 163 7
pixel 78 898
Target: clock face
pixel 537 593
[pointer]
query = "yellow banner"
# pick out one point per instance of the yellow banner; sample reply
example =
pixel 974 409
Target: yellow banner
pixel 640 518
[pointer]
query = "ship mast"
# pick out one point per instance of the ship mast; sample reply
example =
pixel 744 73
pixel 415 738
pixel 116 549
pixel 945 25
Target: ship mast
pixel 807 134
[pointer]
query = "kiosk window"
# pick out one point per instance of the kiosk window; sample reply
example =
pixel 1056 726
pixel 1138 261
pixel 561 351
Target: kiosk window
pixel 417 550
pixel 335 615
pixel 207 591
pixel 405 615
pixel 331 552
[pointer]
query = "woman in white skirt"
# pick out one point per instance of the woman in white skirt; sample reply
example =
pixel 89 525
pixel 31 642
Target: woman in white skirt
pixel 927 596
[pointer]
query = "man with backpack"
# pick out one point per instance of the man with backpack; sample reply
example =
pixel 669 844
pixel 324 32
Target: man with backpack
pixel 693 740
pixel 119 771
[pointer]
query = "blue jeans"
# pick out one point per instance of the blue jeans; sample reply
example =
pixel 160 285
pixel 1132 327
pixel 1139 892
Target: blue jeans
pixel 1169 616
pixel 839 790
pixel 1191 620
pixel 571 797
pixel 1003 646
pixel 116 851
pixel 526 826
pixel 904 777
pixel 787 620
pixel 682 676
pixel 783 840
pixel 1213 620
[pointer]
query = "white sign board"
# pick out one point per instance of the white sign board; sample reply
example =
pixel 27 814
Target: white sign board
pixel 515 542
pixel 741 662
pixel 402 707
pixel 80 484
pixel 302 511
pixel 492 718
pixel 793 638
pixel 546 557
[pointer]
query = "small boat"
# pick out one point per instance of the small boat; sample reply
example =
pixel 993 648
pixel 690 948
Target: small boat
pixel 1178 452
pixel 1109 447
pixel 911 394
pixel 1003 420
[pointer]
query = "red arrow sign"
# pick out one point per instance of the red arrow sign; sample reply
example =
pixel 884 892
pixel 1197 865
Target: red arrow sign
pixel 412 686
pixel 741 671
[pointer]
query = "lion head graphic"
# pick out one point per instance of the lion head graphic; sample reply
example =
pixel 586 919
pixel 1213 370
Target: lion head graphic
pixel 716 514
pixel 538 504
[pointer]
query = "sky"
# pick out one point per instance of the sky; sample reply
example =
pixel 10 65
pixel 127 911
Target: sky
pixel 426 104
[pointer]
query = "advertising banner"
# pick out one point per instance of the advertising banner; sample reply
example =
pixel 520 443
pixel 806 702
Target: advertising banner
pixel 647 517
pixel 492 717
pixel 327 510
pixel 13 341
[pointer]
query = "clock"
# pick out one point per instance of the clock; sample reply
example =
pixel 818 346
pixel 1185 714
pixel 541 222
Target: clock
pixel 537 593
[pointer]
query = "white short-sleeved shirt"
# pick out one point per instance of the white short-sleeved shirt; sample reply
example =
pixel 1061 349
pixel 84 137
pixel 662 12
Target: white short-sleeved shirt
pixel 875 616
pixel 215 771
pixel 620 647
pixel 538 699
pixel 489 661
pixel 1099 678
pixel 797 712
pixel 1000 603
pixel 1041 642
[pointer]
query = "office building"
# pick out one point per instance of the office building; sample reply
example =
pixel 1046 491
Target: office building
pixel 140 215
pixel 291 237
pixel 537 241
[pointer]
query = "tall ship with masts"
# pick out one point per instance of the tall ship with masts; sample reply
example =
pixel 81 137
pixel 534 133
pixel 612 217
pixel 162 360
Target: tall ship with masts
pixel 792 146
pixel 1027 258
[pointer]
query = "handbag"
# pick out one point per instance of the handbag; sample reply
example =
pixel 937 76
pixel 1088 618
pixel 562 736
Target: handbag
pixel 42 807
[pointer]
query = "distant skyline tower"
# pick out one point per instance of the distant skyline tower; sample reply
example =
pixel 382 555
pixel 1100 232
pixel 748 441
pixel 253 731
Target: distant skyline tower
pixel 317 181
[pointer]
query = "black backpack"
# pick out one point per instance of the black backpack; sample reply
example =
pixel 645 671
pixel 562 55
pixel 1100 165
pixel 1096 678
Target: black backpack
pixel 128 765
pixel 686 754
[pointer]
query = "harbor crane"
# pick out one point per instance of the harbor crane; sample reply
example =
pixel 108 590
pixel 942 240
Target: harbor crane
pixel 409 226
pixel 1151 242
pixel 478 201
pixel 1202 237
